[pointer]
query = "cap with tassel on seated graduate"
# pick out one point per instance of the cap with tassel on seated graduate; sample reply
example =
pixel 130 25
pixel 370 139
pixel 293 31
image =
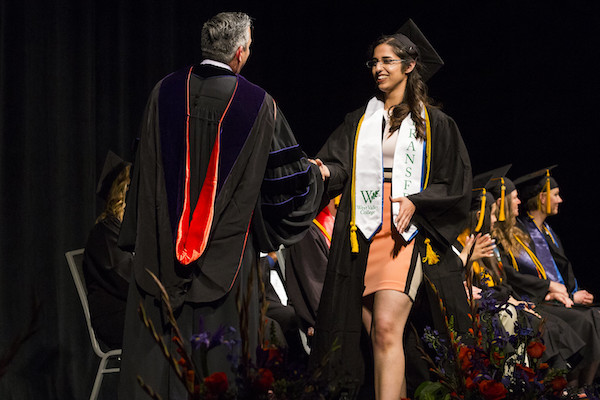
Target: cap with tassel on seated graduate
pixel 499 186
pixel 481 195
pixel 534 183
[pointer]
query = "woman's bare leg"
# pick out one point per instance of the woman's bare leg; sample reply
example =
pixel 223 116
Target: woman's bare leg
pixel 390 313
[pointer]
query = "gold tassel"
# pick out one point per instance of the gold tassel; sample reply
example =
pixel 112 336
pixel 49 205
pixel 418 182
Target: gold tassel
pixel 353 238
pixel 548 207
pixel 502 216
pixel 430 257
pixel 481 212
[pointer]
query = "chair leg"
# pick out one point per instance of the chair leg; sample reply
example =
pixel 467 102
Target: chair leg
pixel 98 380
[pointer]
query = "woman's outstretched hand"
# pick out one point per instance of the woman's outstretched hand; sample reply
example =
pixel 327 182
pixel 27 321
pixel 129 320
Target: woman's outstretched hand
pixel 325 174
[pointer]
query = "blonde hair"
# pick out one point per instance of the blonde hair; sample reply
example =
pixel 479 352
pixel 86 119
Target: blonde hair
pixel 115 202
pixel 505 231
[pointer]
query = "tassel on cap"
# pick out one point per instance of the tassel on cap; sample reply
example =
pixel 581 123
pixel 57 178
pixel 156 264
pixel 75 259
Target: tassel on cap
pixel 502 216
pixel 481 212
pixel 535 183
pixel 548 205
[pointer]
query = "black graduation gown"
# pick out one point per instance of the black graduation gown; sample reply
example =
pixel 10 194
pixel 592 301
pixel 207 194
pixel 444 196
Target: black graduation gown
pixel 563 343
pixel 267 194
pixel 560 258
pixel 305 267
pixel 584 320
pixel 107 269
pixel 440 211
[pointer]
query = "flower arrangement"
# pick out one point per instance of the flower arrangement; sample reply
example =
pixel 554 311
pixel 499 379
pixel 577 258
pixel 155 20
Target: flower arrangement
pixel 488 363
pixel 268 376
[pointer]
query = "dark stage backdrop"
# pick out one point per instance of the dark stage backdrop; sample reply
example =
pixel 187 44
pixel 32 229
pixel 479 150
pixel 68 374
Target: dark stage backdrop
pixel 520 79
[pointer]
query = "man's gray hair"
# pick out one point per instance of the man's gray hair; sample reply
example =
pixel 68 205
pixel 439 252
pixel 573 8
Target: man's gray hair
pixel 223 34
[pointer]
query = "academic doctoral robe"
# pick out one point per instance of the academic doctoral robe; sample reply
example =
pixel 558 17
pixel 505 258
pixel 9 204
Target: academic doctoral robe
pixel 441 209
pixel 218 177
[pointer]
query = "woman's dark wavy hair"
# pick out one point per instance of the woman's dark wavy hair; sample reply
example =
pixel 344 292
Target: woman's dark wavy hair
pixel 416 89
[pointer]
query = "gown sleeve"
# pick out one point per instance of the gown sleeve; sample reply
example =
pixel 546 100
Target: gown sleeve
pixel 291 191
pixel 443 206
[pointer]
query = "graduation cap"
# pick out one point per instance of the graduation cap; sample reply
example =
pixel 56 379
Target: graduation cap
pixel 498 185
pixel 430 59
pixel 484 186
pixel 113 165
pixel 534 183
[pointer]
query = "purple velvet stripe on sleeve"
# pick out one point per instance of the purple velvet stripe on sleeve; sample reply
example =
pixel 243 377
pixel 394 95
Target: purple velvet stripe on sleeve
pixel 291 199
pixel 237 125
pixel 288 176
pixel 172 117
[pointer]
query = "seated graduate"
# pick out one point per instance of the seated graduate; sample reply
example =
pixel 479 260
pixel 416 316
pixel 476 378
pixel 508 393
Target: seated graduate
pixel 293 278
pixel 527 275
pixel 282 322
pixel 106 267
pixel 485 271
pixel 306 265
pixel 541 199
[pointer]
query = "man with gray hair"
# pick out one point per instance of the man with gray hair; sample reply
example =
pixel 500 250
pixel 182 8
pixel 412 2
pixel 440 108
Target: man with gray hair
pixel 218 178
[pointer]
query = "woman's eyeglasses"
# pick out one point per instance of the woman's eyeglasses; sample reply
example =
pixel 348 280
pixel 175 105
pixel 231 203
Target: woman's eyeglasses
pixel 386 61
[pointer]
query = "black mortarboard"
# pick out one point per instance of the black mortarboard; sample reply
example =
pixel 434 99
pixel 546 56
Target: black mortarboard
pixel 534 183
pixel 498 185
pixel 430 59
pixel 483 184
pixel 113 165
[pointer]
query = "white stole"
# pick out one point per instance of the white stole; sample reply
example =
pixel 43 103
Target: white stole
pixel 407 173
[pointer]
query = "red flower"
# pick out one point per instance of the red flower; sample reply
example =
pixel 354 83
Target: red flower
pixel 535 349
pixel 470 383
pixel 465 355
pixel 264 380
pixel 528 371
pixel 275 355
pixel 558 383
pixel 492 390
pixel 216 383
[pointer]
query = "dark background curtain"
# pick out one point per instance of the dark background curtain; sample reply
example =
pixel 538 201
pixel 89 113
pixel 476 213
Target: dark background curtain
pixel 520 80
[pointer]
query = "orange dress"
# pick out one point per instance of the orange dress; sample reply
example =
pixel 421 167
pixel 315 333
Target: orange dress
pixel 390 258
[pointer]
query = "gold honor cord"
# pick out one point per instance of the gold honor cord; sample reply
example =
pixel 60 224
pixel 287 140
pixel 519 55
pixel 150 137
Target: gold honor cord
pixel 353 235
pixel 544 227
pixel 538 264
pixel 322 229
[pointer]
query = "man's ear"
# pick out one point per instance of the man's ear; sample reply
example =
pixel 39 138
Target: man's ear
pixel 238 53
